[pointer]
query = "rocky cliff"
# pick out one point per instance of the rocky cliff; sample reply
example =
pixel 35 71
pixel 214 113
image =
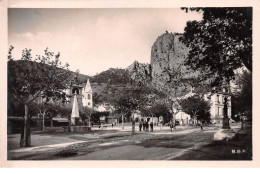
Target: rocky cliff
pixel 140 73
pixel 167 59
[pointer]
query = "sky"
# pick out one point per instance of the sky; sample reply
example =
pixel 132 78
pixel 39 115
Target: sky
pixel 93 40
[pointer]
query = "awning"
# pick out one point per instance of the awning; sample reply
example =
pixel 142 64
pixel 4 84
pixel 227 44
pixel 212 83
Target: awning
pixel 60 119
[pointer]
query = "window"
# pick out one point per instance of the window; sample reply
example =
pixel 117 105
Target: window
pixel 218 98
pixel 219 111
pixel 88 103
pixel 75 91
pixel 88 96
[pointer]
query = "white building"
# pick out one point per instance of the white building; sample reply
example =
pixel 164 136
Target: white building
pixel 104 107
pixel 217 106
pixel 182 117
pixel 87 96
pixel 84 95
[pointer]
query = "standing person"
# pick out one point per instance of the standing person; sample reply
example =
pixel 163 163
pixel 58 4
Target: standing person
pixel 144 125
pixel 151 125
pixel 112 125
pixel 147 126
pixel 171 126
pixel 140 126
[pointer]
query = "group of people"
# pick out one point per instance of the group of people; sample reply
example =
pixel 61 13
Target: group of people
pixel 145 126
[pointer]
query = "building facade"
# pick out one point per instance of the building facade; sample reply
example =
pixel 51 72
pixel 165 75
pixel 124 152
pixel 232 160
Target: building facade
pixel 217 105
pixel 83 92
pixel 216 101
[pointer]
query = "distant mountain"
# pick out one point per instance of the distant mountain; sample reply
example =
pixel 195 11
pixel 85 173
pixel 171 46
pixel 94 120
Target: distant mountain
pixel 168 55
pixel 81 77
pixel 167 65
pixel 112 76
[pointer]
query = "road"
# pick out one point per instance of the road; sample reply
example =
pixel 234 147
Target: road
pixel 181 144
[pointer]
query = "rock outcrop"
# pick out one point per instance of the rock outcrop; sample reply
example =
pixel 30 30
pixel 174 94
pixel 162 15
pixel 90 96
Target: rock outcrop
pixel 167 59
pixel 166 68
pixel 140 73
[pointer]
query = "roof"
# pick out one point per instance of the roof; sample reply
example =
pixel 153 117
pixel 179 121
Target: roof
pixel 58 119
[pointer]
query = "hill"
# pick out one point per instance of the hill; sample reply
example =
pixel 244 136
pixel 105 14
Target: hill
pixel 112 76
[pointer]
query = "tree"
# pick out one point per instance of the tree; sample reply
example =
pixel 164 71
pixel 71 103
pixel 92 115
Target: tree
pixel 28 78
pixel 86 113
pixel 66 111
pixel 161 110
pixel 242 97
pixel 45 109
pixel 220 43
pixel 196 107
pixel 95 116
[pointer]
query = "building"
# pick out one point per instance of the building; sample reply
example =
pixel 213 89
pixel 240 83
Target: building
pixel 82 97
pixel 83 93
pixel 216 101
pixel 104 107
pixel 183 118
pixel 217 105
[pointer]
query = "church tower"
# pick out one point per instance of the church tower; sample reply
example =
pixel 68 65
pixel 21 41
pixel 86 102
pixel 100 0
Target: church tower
pixel 87 95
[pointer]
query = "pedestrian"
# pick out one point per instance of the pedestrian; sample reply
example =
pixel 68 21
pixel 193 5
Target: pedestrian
pixel 144 126
pixel 147 126
pixel 112 125
pixel 140 126
pixel 92 124
pixel 151 125
pixel 201 126
pixel 171 126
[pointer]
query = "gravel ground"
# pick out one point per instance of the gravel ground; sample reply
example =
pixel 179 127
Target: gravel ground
pixel 181 144
pixel 145 140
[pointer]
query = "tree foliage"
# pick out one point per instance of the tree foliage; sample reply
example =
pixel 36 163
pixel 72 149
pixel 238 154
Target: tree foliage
pixel 195 106
pixel 29 77
pixel 95 116
pixel 242 97
pixel 161 110
pixel 220 43
pixel 85 113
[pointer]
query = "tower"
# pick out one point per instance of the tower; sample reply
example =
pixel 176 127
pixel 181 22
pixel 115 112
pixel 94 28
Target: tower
pixel 87 95
pixel 75 110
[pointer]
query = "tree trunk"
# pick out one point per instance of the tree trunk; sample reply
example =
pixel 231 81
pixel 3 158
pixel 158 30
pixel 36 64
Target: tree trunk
pixel 122 122
pixel 173 118
pixel 133 126
pixel 69 130
pixel 25 140
pixel 51 122
pixel 43 122
pixel 83 121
